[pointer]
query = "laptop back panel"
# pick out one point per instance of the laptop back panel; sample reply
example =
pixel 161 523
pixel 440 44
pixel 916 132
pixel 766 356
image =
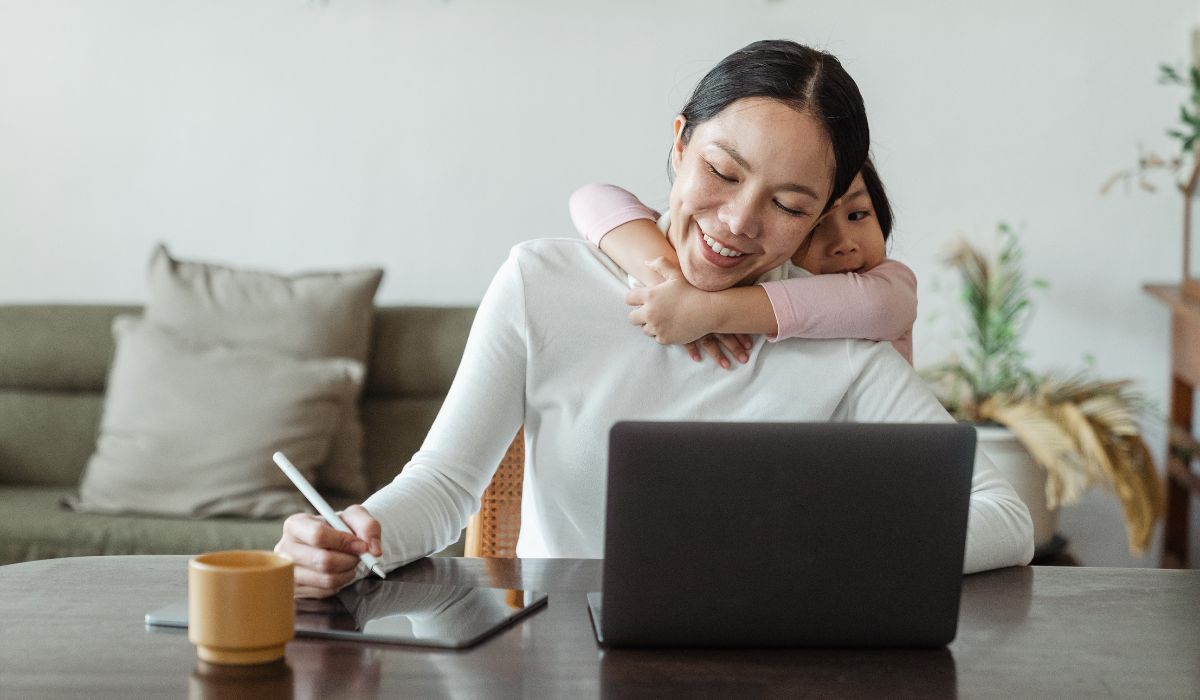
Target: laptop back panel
pixel 785 534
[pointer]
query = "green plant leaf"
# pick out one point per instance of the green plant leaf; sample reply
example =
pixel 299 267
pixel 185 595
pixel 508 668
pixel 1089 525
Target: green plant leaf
pixel 1078 428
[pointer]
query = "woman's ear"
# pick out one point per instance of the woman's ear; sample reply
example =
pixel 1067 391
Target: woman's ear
pixel 677 143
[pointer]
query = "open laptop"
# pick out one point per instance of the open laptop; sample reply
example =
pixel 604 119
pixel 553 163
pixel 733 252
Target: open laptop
pixel 784 534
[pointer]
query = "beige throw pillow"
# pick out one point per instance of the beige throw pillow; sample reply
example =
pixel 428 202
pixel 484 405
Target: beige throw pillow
pixel 189 428
pixel 313 315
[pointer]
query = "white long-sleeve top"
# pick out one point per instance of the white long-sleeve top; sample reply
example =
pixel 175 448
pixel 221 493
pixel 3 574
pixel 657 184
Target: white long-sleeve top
pixel 551 348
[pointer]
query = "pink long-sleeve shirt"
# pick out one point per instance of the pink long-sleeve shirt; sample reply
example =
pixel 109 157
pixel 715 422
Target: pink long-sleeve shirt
pixel 879 304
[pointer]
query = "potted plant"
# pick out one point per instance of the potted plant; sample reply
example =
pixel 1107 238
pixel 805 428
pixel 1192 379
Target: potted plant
pixel 1052 435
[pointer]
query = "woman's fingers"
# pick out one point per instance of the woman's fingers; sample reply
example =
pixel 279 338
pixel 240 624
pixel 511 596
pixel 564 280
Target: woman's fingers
pixel 693 351
pixel 325 559
pixel 313 531
pixel 713 349
pixel 322 560
pixel 322 568
pixel 733 346
pixel 366 527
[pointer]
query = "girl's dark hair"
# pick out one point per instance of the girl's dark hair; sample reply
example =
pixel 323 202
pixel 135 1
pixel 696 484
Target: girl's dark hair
pixel 879 198
pixel 809 81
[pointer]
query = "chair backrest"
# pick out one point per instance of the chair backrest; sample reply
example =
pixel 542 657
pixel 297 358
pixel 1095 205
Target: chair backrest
pixel 493 531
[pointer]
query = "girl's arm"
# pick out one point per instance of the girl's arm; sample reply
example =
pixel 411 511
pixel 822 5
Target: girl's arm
pixel 675 312
pixel 879 304
pixel 621 226
pixel 626 231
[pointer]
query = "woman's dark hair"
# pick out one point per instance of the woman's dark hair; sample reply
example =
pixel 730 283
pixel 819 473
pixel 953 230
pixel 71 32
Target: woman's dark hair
pixel 879 198
pixel 809 81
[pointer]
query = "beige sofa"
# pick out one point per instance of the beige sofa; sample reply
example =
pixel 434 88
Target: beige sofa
pixel 53 365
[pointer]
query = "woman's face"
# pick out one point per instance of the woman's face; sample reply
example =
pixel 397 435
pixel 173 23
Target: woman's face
pixel 749 187
pixel 848 238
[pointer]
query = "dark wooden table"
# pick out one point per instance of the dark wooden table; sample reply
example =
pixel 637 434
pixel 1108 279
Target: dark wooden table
pixel 74 628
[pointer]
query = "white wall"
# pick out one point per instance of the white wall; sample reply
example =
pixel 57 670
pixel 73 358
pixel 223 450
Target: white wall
pixel 428 136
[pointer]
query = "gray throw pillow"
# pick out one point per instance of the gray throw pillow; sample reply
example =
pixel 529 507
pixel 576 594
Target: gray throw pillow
pixel 311 315
pixel 189 426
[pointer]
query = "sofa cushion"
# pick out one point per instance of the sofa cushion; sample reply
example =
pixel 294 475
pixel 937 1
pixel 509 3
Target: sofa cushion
pixel 188 427
pixel 57 347
pixel 397 428
pixel 54 359
pixel 46 436
pixel 37 526
pixel 416 350
pixel 313 315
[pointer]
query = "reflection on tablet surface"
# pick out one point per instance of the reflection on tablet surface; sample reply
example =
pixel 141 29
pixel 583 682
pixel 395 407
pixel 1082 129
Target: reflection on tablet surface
pixel 415 613
pixel 397 612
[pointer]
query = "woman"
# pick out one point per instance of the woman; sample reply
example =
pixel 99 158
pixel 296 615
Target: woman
pixel 769 139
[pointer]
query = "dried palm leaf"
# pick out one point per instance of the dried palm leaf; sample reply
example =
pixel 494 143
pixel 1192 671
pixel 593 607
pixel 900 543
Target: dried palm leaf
pixel 1049 445
pixel 1079 429
pixel 1097 423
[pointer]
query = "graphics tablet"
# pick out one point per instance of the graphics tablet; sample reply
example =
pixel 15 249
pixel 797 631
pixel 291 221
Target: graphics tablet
pixel 399 612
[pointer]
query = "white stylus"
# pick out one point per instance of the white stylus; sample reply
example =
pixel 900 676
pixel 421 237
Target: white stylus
pixel 323 507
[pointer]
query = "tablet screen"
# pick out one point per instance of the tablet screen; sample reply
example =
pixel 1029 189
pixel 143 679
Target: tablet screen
pixel 399 612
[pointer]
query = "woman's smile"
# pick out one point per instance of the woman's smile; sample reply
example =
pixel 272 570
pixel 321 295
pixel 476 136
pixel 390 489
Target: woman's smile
pixel 718 248
pixel 715 251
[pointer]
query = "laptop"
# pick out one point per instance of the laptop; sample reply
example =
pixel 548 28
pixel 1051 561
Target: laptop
pixel 784 534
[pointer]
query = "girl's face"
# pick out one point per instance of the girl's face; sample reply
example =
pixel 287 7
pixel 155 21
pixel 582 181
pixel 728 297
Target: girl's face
pixel 848 238
pixel 749 187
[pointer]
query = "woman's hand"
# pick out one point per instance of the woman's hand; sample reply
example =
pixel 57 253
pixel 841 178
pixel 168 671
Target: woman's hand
pixel 676 313
pixel 715 345
pixel 326 558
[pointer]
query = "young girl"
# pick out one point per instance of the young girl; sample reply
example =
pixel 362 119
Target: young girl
pixel 854 290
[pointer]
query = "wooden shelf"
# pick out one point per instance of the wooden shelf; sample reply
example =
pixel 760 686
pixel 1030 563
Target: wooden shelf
pixel 1182 485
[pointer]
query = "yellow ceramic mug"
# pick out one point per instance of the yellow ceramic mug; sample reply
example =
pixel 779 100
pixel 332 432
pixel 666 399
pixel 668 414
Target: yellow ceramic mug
pixel 240 607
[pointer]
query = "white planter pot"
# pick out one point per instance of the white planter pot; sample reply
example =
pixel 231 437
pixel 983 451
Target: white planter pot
pixel 1025 476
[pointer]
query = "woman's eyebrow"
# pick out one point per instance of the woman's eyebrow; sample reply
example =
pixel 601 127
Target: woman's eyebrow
pixel 790 187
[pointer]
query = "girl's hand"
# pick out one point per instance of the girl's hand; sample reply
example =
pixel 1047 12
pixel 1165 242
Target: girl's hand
pixel 326 558
pixel 676 313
